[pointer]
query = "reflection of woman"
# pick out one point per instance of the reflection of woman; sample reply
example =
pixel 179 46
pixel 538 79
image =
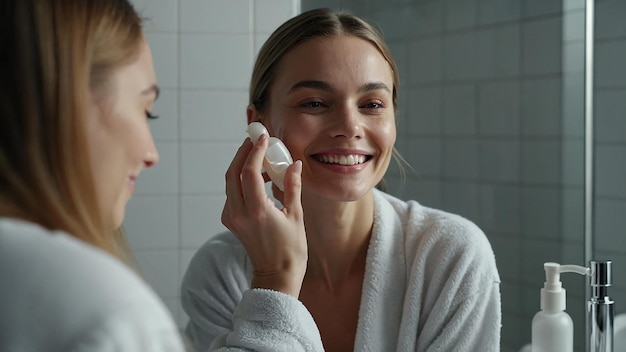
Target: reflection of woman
pixel 382 274
pixel 77 86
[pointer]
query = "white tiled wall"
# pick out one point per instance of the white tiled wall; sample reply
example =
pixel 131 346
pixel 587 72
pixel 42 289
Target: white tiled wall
pixel 494 129
pixel 203 52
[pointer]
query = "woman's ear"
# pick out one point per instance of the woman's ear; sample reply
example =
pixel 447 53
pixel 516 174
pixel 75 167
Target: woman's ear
pixel 253 114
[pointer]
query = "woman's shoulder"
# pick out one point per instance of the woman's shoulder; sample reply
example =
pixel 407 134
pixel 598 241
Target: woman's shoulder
pixel 58 259
pixel 424 217
pixel 221 249
pixel 222 257
pixel 431 227
pixel 78 291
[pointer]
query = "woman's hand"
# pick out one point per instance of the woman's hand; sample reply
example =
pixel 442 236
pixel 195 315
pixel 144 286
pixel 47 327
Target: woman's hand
pixel 275 239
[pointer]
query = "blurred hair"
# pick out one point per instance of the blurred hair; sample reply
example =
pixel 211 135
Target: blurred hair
pixel 55 54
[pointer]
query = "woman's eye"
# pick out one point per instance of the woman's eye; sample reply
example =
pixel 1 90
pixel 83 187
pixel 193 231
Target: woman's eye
pixel 373 105
pixel 313 104
pixel 150 116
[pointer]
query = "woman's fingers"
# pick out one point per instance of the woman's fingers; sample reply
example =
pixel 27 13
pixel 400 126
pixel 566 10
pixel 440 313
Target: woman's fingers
pixel 293 189
pixel 252 181
pixel 245 184
pixel 233 174
pixel 234 197
pixel 235 203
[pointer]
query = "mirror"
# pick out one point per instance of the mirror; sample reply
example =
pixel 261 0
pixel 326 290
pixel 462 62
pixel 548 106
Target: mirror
pixel 491 118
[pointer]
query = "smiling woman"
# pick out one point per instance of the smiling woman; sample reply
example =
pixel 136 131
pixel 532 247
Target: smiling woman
pixel 120 141
pixel 333 108
pixel 77 88
pixel 375 272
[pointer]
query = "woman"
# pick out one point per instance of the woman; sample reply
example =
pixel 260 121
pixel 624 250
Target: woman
pixel 382 274
pixel 77 86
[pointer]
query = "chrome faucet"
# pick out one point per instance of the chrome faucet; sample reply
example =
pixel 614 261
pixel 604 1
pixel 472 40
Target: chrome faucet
pixel 600 308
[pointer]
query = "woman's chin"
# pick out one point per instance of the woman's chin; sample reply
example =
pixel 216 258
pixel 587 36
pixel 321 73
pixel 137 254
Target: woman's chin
pixel 117 218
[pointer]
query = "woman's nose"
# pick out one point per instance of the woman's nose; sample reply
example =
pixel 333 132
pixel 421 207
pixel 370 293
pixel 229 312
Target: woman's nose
pixel 151 160
pixel 152 156
pixel 346 123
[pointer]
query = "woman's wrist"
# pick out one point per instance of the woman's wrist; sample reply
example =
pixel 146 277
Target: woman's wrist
pixel 288 281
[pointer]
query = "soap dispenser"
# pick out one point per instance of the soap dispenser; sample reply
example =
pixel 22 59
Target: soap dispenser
pixel 552 327
pixel 600 308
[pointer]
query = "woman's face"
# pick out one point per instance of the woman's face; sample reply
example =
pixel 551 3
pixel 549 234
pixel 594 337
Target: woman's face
pixel 332 104
pixel 120 141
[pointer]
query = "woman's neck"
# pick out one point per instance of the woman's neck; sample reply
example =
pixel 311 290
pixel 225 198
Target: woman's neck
pixel 338 235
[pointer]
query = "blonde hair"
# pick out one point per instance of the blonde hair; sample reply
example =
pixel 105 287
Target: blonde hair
pixel 307 25
pixel 310 24
pixel 55 52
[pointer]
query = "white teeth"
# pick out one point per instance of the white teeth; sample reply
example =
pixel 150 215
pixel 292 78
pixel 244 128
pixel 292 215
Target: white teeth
pixel 343 159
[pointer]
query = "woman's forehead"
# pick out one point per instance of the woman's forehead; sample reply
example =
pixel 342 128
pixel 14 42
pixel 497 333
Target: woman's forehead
pixel 327 59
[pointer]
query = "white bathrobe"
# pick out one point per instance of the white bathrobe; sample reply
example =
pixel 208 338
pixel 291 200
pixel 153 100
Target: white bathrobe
pixel 431 284
pixel 59 294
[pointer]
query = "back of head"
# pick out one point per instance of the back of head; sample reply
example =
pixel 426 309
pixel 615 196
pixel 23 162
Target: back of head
pixel 310 24
pixel 55 52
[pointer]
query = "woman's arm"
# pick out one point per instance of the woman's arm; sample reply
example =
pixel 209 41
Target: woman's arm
pixel 223 313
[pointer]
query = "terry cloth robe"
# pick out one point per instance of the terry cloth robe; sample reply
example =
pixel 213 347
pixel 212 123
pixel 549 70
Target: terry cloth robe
pixel 59 294
pixel 431 284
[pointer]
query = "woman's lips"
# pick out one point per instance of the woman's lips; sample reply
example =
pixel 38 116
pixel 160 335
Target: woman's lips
pixel 131 182
pixel 342 159
pixel 346 162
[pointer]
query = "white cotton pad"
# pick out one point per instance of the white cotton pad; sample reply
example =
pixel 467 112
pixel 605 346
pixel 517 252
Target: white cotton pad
pixel 255 130
pixel 277 157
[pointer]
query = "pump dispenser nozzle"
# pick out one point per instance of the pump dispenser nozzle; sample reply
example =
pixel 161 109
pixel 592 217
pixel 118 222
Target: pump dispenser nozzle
pixel 553 293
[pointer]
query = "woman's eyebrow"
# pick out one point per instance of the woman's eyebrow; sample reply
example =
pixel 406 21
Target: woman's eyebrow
pixel 374 86
pixel 321 85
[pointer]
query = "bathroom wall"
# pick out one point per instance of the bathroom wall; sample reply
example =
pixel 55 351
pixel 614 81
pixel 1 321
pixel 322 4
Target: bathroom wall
pixel 203 53
pixel 610 142
pixel 491 119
